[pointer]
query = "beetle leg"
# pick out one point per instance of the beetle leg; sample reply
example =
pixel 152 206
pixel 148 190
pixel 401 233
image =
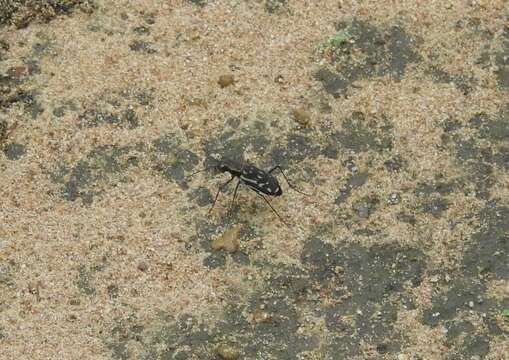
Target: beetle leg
pixel 277 167
pixel 221 188
pixel 270 205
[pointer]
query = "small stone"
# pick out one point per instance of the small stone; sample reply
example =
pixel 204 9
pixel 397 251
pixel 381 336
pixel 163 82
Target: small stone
pixel 229 241
pixel 226 80
pixel 74 302
pixel 33 288
pixel 59 111
pixel 142 30
pixel 434 279
pixel 196 101
pixel 260 316
pixel 227 352
pixel 362 210
pixel 3 45
pixel 18 72
pixel 3 129
pixel 273 6
pixel 142 46
pixel 142 266
pixel 302 116
pixel 339 270
pixel 382 348
pixel 394 198
pixel 471 304
pixel 113 291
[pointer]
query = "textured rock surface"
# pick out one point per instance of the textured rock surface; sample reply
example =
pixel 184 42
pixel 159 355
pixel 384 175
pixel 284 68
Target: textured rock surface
pixel 395 118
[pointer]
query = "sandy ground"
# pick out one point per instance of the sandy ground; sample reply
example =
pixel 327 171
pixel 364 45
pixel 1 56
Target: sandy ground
pixel 393 115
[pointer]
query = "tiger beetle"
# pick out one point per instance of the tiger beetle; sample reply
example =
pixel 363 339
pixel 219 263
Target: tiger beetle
pixel 260 181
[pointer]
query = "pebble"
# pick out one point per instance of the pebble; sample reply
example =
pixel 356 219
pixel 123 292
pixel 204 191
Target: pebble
pixel 18 72
pixel 227 352
pixel 229 241
pixel 302 116
pixel 339 270
pixel 394 198
pixel 279 79
pixel 226 80
pixel 3 129
pixel 142 266
pixel 362 210
pixel 196 101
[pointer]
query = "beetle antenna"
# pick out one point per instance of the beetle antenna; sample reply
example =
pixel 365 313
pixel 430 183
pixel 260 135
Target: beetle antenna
pixel 199 171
